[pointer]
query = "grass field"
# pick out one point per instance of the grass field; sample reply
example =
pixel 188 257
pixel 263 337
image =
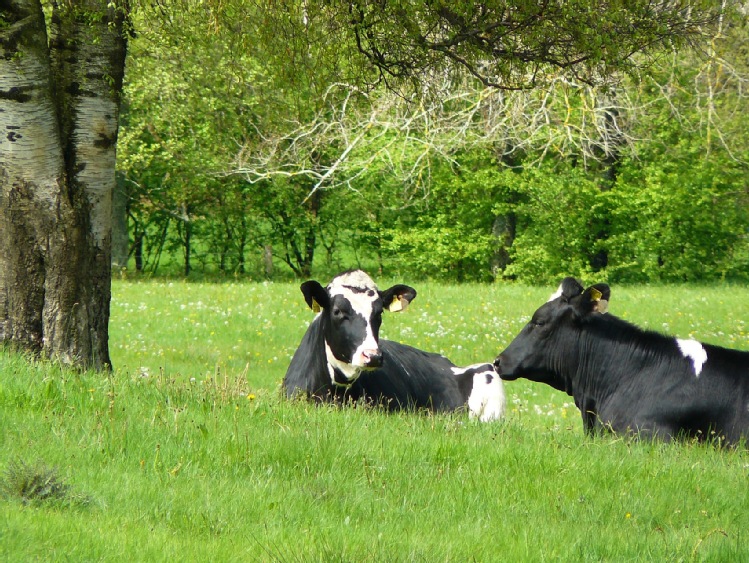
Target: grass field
pixel 186 451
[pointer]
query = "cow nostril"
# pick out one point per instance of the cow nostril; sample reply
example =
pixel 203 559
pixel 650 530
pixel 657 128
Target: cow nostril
pixel 372 358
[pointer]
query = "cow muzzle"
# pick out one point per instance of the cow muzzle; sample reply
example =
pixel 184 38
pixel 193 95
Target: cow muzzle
pixel 502 374
pixel 371 358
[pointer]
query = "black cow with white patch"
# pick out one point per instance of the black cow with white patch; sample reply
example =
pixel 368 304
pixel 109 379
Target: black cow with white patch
pixel 341 357
pixel 626 379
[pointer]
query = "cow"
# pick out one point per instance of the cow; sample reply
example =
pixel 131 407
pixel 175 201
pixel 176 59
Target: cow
pixel 342 359
pixel 628 380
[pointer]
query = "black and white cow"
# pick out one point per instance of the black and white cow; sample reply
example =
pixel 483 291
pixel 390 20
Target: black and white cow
pixel 342 358
pixel 626 379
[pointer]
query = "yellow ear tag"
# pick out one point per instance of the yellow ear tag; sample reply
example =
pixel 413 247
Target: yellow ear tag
pixel 316 307
pixel 595 295
pixel 398 304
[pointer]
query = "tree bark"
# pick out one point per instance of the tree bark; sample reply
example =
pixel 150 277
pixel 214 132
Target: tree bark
pixel 59 107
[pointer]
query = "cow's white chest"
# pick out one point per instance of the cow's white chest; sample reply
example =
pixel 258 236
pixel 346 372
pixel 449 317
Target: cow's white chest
pixel 351 372
pixel 693 350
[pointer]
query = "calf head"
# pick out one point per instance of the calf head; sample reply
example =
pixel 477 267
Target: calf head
pixel 350 310
pixel 536 352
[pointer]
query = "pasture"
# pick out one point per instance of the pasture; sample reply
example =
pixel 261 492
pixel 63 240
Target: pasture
pixel 187 452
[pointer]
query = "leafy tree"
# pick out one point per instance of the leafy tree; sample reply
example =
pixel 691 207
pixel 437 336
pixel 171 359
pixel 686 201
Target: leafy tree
pixel 222 82
pixel 680 211
pixel 451 233
pixel 679 221
pixel 511 44
pixel 559 216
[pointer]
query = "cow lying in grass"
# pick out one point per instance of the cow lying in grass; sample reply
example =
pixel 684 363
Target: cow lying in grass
pixel 626 379
pixel 342 358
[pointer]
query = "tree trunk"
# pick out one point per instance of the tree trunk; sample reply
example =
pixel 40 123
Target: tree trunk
pixel 268 260
pixel 138 251
pixel 120 241
pixel 241 245
pixel 59 104
pixel 188 248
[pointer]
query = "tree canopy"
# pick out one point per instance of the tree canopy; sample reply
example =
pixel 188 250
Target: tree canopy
pixel 516 44
pixel 264 139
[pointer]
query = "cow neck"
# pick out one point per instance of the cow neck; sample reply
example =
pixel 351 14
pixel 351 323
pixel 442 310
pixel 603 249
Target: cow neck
pixel 338 378
pixel 595 362
pixel 341 374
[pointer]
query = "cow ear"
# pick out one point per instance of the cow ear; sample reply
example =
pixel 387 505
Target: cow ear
pixel 568 289
pixel 315 295
pixel 595 299
pixel 397 297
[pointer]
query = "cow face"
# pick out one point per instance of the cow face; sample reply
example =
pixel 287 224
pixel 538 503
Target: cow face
pixel 350 310
pixel 537 350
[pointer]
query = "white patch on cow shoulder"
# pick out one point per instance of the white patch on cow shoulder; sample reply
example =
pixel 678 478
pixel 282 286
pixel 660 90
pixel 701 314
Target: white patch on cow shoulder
pixel 556 294
pixel 694 351
pixel 487 400
pixel 361 291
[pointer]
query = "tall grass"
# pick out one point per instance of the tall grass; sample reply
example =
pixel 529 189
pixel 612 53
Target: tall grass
pixel 187 451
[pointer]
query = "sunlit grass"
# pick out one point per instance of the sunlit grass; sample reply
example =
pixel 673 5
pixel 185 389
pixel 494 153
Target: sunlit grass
pixel 188 452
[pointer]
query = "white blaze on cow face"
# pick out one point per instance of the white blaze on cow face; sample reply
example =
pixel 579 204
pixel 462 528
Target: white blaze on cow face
pixel 694 351
pixel 358 297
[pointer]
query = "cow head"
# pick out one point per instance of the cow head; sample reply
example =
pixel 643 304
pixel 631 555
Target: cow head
pixel 536 351
pixel 350 310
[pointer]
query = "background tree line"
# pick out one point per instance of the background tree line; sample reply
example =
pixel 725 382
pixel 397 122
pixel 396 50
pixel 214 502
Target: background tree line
pixel 228 160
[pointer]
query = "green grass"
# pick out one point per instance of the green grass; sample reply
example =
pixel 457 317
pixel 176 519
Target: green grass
pixel 187 452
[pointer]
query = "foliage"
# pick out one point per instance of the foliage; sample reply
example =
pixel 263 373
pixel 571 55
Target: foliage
pixel 515 44
pixel 171 159
pixel 681 222
pixel 450 233
pixel 560 217
pixel 680 211
pixel 468 186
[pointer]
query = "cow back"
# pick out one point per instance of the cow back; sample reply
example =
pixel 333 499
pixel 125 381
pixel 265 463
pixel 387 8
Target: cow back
pixel 307 374
pixel 412 378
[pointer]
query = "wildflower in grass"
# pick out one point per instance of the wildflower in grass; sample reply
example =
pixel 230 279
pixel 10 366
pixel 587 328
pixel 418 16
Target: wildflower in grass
pixel 251 397
pixel 628 515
